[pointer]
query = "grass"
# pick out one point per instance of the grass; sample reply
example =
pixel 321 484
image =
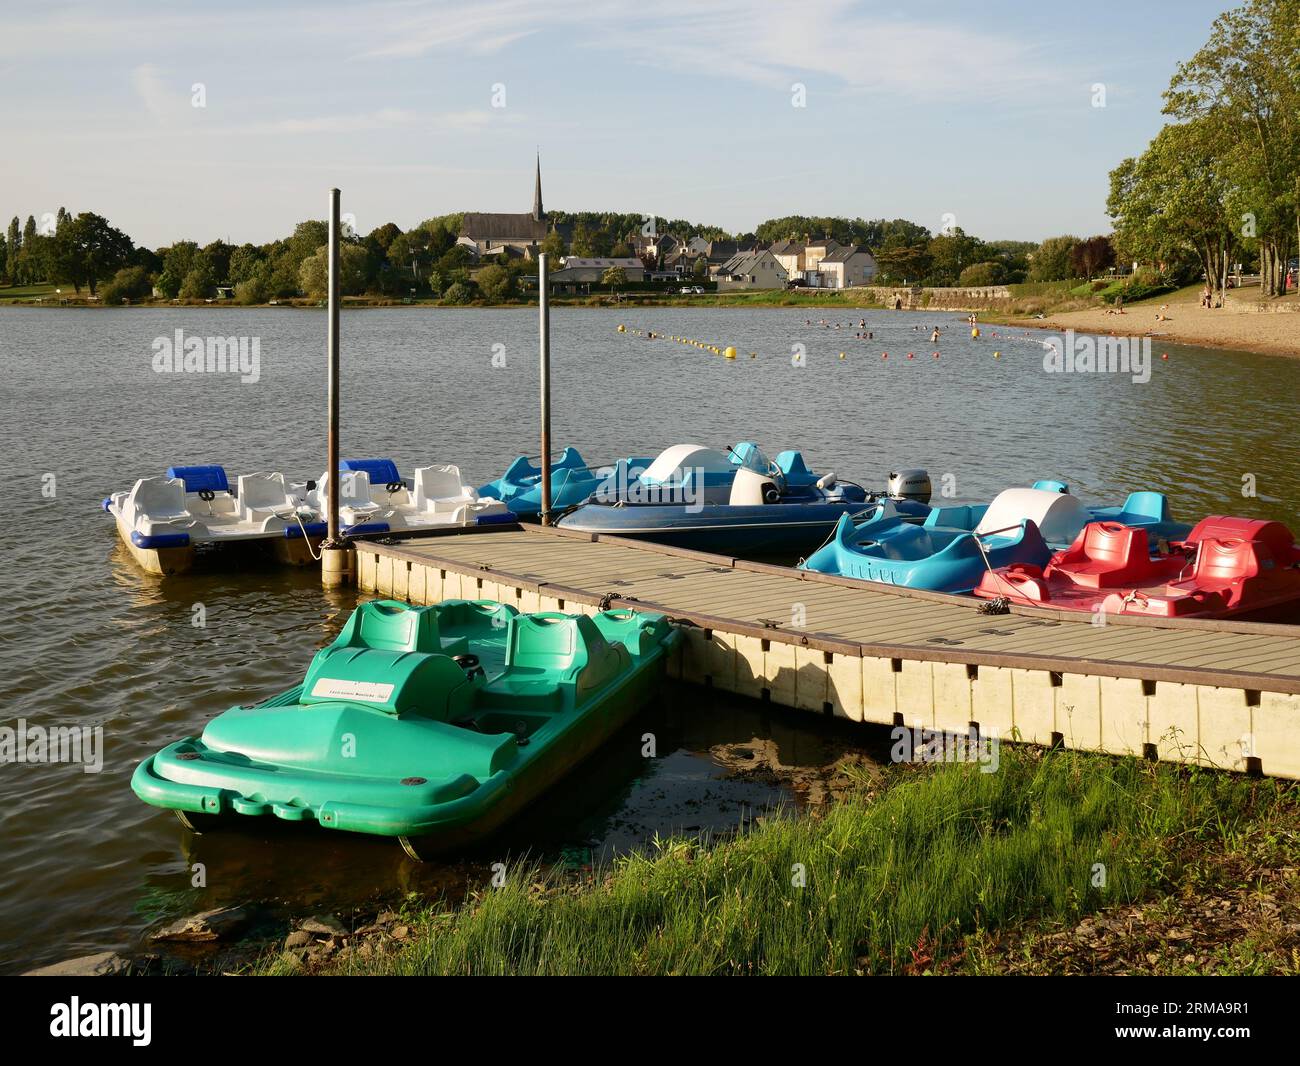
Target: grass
pixel 893 882
pixel 23 293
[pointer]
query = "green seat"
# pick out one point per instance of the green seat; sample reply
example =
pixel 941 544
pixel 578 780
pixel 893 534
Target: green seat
pixel 559 651
pixel 390 657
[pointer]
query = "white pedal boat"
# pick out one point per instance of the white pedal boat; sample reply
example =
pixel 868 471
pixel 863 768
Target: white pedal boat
pixel 163 520
pixel 374 498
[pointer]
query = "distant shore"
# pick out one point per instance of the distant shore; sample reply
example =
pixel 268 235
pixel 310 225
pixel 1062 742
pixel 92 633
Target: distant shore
pixel 1236 327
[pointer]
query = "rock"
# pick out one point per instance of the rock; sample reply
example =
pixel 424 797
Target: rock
pixel 323 925
pixel 205 926
pixel 103 964
pixel 297 939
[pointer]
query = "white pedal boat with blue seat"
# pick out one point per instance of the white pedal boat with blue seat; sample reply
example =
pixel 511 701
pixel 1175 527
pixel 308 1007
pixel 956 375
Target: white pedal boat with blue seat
pixel 163 520
pixel 375 498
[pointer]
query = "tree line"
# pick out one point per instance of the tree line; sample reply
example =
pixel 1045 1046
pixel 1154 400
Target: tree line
pixel 1220 183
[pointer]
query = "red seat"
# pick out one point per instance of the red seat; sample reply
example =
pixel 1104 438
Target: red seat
pixel 1221 562
pixel 1110 555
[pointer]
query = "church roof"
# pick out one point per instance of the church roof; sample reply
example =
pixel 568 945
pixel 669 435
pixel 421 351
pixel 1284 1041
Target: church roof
pixel 498 226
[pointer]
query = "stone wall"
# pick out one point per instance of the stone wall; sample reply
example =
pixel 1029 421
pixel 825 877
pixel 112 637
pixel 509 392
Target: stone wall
pixel 946 299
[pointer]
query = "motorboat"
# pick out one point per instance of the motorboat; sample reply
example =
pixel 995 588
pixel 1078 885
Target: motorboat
pixel 732 501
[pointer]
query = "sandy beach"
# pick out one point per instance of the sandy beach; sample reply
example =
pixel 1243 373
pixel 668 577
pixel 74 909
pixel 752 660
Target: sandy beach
pixel 1237 325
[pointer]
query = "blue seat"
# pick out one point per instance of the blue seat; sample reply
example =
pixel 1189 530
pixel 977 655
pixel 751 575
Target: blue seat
pixel 209 478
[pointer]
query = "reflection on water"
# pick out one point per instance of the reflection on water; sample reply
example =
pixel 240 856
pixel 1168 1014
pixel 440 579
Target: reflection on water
pixel 86 639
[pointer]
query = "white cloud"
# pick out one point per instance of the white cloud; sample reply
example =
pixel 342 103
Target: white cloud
pixel 838 41
pixel 163 97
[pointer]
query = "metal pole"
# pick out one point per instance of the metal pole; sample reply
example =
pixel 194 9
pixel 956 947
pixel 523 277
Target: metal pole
pixel 544 324
pixel 332 344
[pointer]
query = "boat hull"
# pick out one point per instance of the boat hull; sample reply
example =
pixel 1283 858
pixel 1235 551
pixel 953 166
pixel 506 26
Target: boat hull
pixel 775 529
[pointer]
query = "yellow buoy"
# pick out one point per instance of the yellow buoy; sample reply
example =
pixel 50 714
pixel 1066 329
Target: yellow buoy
pixel 622 329
pixel 975 332
pixel 841 355
pixel 730 353
pixel 997 355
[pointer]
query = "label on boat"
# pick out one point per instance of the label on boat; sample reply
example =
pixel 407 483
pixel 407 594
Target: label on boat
pixel 330 688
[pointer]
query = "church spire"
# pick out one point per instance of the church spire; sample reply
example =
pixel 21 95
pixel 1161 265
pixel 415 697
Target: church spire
pixel 537 191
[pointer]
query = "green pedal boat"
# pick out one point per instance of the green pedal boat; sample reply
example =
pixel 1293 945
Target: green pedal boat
pixel 430 724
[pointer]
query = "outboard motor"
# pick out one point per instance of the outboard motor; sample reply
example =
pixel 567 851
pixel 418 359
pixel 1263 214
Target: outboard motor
pixel 911 484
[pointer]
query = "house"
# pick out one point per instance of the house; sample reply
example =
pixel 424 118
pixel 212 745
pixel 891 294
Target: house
pixel 790 254
pixel 815 251
pixel 579 272
pixel 846 267
pixel 751 270
pixel 490 233
pixel 681 261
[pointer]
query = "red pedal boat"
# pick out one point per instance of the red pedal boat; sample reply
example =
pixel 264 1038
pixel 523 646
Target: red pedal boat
pixel 1226 566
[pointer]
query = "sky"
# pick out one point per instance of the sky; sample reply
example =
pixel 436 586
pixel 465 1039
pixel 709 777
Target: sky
pixel 724 112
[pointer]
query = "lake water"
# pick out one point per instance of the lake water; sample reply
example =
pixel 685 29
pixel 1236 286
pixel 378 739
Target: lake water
pixel 87 639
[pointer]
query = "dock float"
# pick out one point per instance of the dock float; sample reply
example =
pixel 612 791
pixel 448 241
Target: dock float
pixel 1216 693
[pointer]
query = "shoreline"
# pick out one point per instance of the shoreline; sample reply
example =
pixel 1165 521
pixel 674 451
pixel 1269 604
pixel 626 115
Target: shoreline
pixel 1217 341
pixel 1262 332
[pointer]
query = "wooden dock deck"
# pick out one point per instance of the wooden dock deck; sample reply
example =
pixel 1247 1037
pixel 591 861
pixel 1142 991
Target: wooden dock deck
pixel 1217 693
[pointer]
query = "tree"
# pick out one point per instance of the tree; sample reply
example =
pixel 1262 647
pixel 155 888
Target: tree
pixel 1174 198
pixel 1239 96
pixel 1090 257
pixel 553 246
pixel 902 259
pixel 14 245
pixel 129 283
pixel 313 275
pixel 200 282
pixel 179 258
pixel 256 287
pixel 496 283
pixel 586 242
pixel 1052 260
pixel 86 249
pixel 614 277
pixel 950 253
pixel 168 284
pixel 458 293
pixel 989 272
pixel 245 261
pixel 218 254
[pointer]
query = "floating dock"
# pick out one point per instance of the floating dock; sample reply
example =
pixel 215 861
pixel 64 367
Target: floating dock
pixel 1217 693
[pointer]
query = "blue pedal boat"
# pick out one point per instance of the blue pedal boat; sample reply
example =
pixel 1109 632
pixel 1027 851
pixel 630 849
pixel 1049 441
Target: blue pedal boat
pixel 952 549
pixel 734 501
pixel 520 487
